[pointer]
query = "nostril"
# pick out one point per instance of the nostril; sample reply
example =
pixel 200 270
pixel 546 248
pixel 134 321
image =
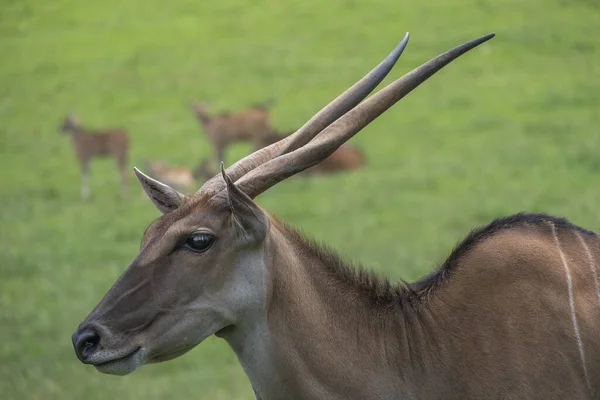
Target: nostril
pixel 86 343
pixel 90 343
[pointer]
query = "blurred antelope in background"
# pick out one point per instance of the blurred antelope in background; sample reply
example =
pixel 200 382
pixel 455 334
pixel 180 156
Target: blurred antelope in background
pixel 347 157
pixel 513 312
pixel 225 128
pixel 178 177
pixel 88 144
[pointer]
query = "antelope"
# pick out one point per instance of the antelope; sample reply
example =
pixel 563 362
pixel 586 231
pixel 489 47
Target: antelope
pixel 179 178
pixel 513 312
pixel 113 142
pixel 225 128
pixel 345 158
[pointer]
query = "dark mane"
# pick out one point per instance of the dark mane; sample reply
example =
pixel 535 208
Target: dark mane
pixel 381 292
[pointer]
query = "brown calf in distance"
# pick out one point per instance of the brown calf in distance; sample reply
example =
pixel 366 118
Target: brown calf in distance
pixel 347 157
pixel 513 312
pixel 112 142
pixel 225 128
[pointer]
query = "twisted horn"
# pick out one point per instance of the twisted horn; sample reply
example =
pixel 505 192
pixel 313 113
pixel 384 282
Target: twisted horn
pixel 330 113
pixel 287 164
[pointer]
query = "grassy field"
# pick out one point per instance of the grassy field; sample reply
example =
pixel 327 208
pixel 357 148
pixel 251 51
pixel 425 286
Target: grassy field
pixel 511 126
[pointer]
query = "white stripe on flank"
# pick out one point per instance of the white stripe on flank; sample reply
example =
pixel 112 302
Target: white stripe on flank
pixel 572 304
pixel 592 262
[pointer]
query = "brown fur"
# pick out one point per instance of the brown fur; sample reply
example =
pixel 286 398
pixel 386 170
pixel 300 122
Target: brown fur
pixel 513 313
pixel 223 129
pixel 382 292
pixel 111 142
pixel 492 322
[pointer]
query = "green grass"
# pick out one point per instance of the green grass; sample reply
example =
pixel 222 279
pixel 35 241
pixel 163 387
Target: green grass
pixel 511 126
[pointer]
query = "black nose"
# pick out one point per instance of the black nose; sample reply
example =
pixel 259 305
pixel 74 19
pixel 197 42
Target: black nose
pixel 85 341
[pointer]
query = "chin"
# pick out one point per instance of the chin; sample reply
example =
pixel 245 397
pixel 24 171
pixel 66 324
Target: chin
pixel 125 365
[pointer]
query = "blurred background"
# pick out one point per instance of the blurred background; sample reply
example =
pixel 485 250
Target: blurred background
pixel 511 126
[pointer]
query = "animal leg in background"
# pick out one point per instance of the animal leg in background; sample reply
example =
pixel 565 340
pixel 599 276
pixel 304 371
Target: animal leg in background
pixel 122 164
pixel 85 179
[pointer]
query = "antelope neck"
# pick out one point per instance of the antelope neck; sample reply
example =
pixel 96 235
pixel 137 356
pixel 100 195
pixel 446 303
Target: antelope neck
pixel 316 338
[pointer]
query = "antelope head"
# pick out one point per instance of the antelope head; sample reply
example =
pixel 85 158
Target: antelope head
pixel 69 124
pixel 201 107
pixel 203 266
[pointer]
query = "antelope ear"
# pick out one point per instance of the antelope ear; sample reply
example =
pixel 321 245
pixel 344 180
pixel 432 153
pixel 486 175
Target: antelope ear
pixel 246 213
pixel 164 197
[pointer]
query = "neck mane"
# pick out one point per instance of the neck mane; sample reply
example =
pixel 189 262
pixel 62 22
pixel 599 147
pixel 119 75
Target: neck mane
pixel 380 292
pixel 356 280
pixel 332 329
pixel 318 304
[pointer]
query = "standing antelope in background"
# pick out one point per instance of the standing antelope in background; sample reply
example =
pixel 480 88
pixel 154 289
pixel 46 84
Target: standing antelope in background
pixel 112 142
pixel 347 157
pixel 514 312
pixel 225 128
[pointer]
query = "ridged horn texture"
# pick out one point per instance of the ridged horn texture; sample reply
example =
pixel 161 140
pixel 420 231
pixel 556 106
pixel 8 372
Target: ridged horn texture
pixel 331 127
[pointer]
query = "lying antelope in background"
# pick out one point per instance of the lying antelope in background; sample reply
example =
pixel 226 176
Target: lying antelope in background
pixel 112 142
pixel 179 178
pixel 514 312
pixel 225 128
pixel 347 157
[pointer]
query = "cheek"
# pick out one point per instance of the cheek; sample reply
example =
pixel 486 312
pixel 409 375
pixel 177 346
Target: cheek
pixel 203 297
pixel 200 276
pixel 224 282
pixel 246 285
pixel 184 328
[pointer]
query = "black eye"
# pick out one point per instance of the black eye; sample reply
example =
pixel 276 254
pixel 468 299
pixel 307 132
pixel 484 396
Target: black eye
pixel 199 242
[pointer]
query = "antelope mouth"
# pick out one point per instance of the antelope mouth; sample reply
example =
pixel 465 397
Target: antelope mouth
pixel 122 365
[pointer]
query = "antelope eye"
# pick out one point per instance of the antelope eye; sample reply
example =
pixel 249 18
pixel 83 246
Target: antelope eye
pixel 199 242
